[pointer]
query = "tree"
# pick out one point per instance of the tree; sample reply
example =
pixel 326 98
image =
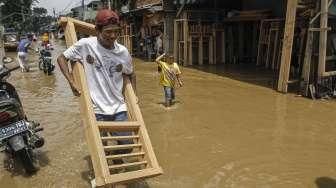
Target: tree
pixel 40 11
pixel 20 11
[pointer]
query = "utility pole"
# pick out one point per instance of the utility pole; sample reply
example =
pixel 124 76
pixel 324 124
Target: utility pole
pixel 54 13
pixel 22 27
pixel 83 10
pixel 2 29
pixel 109 4
pixel 1 4
pixel 22 13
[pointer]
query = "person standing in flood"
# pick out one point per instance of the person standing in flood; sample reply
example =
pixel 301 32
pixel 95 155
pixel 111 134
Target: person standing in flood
pixel 105 62
pixel 158 44
pixel 22 56
pixel 170 77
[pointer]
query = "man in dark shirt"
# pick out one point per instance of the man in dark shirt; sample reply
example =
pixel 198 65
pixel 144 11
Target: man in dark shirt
pixel 23 53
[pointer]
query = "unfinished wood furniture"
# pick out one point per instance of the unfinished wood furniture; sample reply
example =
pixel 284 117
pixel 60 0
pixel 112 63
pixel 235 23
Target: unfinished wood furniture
pixel 286 54
pixel 138 164
pixel 292 7
pixel 269 43
pixel 323 41
pixel 126 37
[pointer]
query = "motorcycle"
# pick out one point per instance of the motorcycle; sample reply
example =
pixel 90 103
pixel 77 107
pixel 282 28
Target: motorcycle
pixel 45 62
pixel 18 135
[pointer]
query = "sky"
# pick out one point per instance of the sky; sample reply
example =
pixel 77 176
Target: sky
pixel 60 5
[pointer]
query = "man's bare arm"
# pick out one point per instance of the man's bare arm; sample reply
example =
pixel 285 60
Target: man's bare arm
pixel 63 64
pixel 159 58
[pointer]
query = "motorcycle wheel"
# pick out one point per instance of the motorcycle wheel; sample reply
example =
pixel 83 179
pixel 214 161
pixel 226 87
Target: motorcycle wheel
pixel 26 160
pixel 40 65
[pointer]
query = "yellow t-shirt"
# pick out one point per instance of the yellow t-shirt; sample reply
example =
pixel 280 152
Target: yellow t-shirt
pixel 169 74
pixel 45 38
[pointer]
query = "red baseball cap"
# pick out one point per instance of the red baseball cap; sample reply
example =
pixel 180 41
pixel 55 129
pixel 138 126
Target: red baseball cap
pixel 106 17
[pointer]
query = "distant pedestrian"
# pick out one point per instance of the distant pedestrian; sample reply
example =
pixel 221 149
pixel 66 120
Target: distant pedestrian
pixel 158 44
pixel 45 40
pixel 170 77
pixel 23 53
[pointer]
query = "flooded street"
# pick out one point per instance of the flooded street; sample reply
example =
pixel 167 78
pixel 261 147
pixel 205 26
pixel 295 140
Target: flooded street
pixel 221 133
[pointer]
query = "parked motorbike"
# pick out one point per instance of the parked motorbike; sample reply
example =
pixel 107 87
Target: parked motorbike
pixel 45 62
pixel 18 135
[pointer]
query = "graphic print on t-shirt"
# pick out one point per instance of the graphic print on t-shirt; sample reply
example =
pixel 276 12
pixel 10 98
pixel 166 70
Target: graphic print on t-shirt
pixel 90 59
pixel 112 69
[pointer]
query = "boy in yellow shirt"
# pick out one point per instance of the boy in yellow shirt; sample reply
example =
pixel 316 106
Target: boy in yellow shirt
pixel 45 40
pixel 170 77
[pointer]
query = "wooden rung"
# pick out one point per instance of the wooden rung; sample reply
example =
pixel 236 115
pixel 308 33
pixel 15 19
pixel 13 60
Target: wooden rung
pixel 125 155
pixel 301 7
pixel 119 125
pixel 292 81
pixel 111 167
pixel 124 146
pixel 105 138
pixel 319 29
pixel 331 73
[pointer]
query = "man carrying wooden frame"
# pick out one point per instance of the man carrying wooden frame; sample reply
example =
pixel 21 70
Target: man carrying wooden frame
pixel 105 62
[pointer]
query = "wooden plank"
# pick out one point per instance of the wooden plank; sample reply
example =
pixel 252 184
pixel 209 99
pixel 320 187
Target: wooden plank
pixel 94 147
pixel 287 46
pixel 119 126
pixel 111 167
pixel 254 39
pixel 241 41
pixel 200 48
pixel 306 68
pixel 80 26
pixel 223 47
pixel 261 35
pixel 120 156
pixel 268 49
pixel 292 81
pixel 106 138
pixel 275 49
pixel 211 50
pixel 136 175
pixel 144 137
pixel 302 42
pixel 118 147
pixel 320 29
pixel 331 73
pixel 185 39
pixel 231 44
pixel 323 39
pixel 214 45
pixel 190 51
pixel 176 41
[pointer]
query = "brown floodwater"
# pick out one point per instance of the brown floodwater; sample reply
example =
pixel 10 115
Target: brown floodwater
pixel 221 133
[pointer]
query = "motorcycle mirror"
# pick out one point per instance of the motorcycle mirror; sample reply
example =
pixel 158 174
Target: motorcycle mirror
pixel 6 60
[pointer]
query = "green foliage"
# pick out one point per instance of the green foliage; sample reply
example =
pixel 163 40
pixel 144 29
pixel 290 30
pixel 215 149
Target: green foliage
pixel 20 15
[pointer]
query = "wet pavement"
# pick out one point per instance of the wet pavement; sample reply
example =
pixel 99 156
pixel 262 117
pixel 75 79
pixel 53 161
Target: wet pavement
pixel 221 133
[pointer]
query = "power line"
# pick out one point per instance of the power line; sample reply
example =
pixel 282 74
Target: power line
pixel 73 5
pixel 66 7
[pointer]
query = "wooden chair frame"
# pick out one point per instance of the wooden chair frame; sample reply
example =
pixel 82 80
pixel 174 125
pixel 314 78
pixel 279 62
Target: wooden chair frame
pixel 142 147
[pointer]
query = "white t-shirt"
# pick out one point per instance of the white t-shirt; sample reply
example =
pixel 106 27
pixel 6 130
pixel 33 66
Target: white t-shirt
pixel 104 82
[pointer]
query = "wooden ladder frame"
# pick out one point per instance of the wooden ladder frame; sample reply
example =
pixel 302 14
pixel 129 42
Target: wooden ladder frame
pixel 142 147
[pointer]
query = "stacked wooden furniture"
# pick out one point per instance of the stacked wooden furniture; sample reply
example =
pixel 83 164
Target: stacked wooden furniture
pixel 126 37
pixel 138 164
pixel 270 43
pixel 202 37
